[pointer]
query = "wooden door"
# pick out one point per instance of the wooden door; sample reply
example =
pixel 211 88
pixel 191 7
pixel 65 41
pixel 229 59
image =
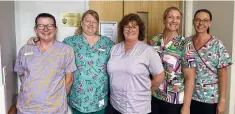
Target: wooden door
pixel 150 10
pixel 154 10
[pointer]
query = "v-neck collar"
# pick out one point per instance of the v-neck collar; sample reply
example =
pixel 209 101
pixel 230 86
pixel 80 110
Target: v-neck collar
pixel 130 50
pixel 168 44
pixel 85 41
pixel 49 50
pixel 202 45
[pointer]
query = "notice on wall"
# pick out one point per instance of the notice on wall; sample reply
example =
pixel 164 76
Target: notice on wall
pixel 70 19
pixel 109 29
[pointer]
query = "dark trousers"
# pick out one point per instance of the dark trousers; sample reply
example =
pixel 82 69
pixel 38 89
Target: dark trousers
pixel 162 107
pixel 114 111
pixel 202 108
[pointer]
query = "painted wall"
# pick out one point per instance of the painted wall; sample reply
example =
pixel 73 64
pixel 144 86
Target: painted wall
pixel 8 47
pixel 223 28
pixel 26 11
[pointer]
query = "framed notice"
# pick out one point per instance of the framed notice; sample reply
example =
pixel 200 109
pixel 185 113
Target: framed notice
pixel 109 29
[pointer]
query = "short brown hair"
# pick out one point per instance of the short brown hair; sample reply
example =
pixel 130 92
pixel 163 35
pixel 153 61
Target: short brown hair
pixel 169 9
pixel 91 12
pixel 129 18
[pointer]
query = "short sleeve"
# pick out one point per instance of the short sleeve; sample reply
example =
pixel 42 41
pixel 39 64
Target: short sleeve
pixel 188 55
pixel 155 41
pixel 155 63
pixel 223 57
pixel 70 61
pixel 19 63
pixel 65 41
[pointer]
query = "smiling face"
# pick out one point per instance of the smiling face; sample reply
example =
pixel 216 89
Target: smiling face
pixel 45 29
pixel 89 25
pixel 172 20
pixel 202 22
pixel 131 31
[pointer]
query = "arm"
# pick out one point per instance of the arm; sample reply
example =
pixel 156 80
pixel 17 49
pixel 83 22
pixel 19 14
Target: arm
pixel 157 80
pixel 68 81
pixel 222 72
pixel 222 83
pixel 189 78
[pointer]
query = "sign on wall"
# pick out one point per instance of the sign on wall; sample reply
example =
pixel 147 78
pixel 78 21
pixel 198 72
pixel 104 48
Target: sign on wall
pixel 70 19
pixel 109 29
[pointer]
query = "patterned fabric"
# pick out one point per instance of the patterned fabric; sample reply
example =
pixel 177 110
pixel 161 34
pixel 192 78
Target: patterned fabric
pixel 130 82
pixel 89 92
pixel 177 54
pixel 214 54
pixel 42 89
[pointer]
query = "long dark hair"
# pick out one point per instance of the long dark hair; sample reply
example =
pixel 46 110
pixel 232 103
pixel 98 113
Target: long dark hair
pixel 206 11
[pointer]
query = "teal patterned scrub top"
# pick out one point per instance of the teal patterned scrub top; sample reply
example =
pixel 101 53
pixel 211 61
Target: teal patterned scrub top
pixel 214 54
pixel 177 54
pixel 89 92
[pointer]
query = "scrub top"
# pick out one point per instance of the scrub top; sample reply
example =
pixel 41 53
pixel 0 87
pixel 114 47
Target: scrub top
pixel 130 82
pixel 42 89
pixel 210 57
pixel 89 92
pixel 177 54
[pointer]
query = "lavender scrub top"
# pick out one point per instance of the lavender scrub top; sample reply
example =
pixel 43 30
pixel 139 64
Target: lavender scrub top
pixel 130 82
pixel 42 89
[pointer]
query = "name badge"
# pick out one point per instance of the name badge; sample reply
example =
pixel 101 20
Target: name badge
pixel 29 53
pixel 101 49
pixel 101 103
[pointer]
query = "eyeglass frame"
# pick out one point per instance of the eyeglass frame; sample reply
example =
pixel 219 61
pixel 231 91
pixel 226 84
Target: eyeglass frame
pixel 128 28
pixel 90 22
pixel 202 20
pixel 39 25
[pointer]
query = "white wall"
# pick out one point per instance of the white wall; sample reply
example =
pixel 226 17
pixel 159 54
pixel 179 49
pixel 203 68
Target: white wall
pixel 8 47
pixel 26 11
pixel 223 15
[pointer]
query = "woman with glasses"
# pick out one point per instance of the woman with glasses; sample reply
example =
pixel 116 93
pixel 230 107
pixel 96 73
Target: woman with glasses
pixel 212 60
pixel 175 93
pixel 89 92
pixel 129 66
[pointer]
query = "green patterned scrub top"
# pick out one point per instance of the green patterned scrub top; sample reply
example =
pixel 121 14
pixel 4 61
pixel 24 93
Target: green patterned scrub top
pixel 177 54
pixel 89 92
pixel 215 56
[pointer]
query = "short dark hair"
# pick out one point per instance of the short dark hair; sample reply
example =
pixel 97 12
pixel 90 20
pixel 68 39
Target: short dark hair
pixel 45 15
pixel 205 11
pixel 129 18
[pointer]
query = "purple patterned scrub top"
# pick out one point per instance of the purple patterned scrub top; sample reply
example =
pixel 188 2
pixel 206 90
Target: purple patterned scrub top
pixel 42 89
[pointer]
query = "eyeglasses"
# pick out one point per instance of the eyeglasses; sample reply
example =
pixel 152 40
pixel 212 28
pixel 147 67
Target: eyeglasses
pixel 204 21
pixel 42 27
pixel 90 22
pixel 134 28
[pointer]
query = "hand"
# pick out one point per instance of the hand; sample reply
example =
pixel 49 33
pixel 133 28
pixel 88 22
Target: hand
pixel 220 108
pixel 32 40
pixel 154 86
pixel 185 110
